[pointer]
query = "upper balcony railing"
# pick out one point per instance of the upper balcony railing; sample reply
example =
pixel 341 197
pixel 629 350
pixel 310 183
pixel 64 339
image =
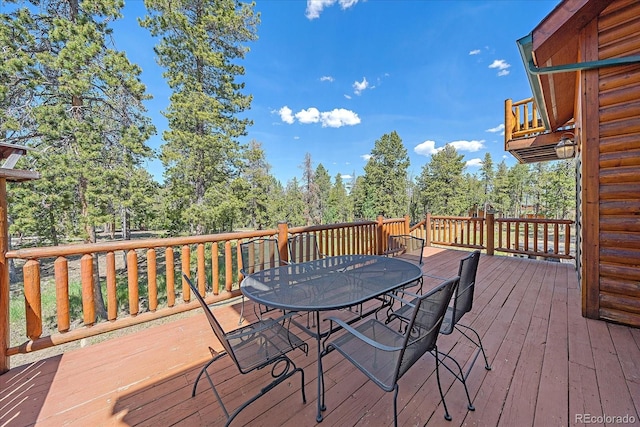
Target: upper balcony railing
pixel 521 119
pixel 145 288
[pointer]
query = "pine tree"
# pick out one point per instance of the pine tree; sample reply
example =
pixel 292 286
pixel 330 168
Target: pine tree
pixel 201 44
pixel 385 176
pixel 441 183
pixel 501 190
pixel 338 209
pixel 323 184
pixel 310 193
pixel 258 189
pixel 85 114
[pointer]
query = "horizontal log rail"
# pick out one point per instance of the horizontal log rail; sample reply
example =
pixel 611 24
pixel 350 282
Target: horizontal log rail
pixel 149 286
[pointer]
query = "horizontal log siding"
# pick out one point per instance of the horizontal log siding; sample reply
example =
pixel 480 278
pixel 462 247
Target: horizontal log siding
pixel 619 162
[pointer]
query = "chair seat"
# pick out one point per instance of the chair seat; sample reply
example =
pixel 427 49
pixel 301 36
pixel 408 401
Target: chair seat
pixel 374 362
pixel 260 341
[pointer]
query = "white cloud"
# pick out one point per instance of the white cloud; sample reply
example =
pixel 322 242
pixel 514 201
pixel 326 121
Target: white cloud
pixel 326 79
pixel 285 114
pixel 346 176
pixel 358 87
pixel 310 115
pixel 347 96
pixel 468 145
pixel 296 137
pixel 339 117
pixel 475 52
pixel 335 118
pixel 315 7
pixel 474 162
pixel 499 128
pixel 366 157
pixel 426 148
pixel 501 65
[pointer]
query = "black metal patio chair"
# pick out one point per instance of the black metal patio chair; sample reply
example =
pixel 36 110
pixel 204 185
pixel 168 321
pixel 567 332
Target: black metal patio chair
pixel 411 247
pixel 462 303
pixel 258 254
pixel 303 247
pixel 384 355
pixel 255 346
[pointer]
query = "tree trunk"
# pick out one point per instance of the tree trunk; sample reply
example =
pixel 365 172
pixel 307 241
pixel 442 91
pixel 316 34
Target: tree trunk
pixel 90 231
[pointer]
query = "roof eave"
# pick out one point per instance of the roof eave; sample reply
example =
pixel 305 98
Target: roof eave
pixel 525 46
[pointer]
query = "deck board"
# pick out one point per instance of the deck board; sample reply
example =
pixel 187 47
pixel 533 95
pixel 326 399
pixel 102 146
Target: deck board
pixel 549 364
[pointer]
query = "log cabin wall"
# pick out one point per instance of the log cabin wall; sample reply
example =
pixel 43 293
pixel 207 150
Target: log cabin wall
pixel 610 190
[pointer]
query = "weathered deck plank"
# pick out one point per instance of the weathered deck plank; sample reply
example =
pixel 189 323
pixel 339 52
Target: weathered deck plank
pixel 549 364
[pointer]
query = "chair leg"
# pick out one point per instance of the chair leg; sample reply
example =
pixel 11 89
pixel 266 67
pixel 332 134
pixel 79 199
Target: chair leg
pixel 241 319
pixel 213 387
pixel 278 377
pixel 478 343
pixel 447 416
pixel 459 376
pixel 395 406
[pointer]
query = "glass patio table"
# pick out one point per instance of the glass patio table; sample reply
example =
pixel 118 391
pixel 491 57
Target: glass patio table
pixel 326 284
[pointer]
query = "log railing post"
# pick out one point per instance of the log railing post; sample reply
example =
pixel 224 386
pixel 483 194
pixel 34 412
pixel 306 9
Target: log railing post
pixel 4 279
pixel 379 235
pixel 427 230
pixel 407 225
pixel 283 235
pixel 490 217
pixel 508 121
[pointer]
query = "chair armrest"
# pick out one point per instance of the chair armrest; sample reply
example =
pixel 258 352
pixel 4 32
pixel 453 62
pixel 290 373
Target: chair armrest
pixel 402 300
pixel 405 292
pixel 361 336
pixel 434 277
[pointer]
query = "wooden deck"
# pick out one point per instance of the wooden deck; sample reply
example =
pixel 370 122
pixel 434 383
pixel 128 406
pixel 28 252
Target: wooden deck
pixel 550 366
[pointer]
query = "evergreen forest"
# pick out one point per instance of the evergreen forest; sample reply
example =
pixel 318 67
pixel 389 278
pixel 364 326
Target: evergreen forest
pixel 78 102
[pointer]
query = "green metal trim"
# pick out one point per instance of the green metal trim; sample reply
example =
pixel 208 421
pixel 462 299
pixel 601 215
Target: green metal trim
pixel 525 46
pixel 579 66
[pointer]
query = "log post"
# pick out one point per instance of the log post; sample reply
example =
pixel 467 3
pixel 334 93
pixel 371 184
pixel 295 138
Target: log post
pixel 427 230
pixel 32 299
pixel 407 225
pixel 4 279
pixel 490 217
pixel 283 235
pixel 508 121
pixel 379 236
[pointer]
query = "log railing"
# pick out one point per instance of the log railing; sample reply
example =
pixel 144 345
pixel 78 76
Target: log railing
pixel 467 232
pixel 150 285
pixel 521 118
pixel 548 238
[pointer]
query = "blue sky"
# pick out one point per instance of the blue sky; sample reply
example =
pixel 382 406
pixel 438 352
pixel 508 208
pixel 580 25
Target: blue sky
pixel 330 77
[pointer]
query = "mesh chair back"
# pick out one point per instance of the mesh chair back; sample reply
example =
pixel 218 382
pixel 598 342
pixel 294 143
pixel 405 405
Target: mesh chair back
pixel 424 326
pixel 463 300
pixel 403 243
pixel 217 329
pixel 259 254
pixel 303 247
